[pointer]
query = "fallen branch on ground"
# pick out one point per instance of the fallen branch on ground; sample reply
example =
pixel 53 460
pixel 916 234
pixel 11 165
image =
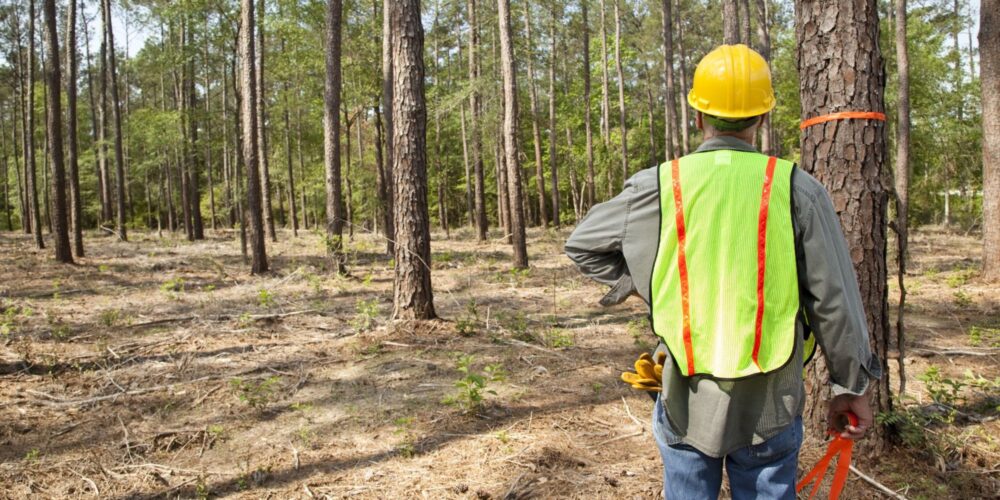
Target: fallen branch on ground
pixel 881 487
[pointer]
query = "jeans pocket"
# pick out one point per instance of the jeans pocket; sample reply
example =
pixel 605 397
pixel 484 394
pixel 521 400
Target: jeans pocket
pixel 787 441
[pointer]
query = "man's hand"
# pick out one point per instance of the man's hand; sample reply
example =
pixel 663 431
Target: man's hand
pixel 837 415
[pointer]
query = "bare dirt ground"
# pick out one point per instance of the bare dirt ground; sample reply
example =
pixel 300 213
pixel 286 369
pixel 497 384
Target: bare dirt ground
pixel 160 368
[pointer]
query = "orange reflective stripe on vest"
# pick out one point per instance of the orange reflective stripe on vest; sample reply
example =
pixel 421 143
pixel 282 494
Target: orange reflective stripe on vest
pixel 682 266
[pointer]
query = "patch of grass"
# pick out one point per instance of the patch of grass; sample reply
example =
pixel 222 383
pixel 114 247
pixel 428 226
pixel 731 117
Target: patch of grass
pixel 11 316
pixel 110 317
pixel 256 394
pixel 984 336
pixel 265 298
pixel 517 324
pixel 473 385
pixel 58 329
pixel 468 323
pixel 32 456
pixel 961 277
pixel 404 427
pixel 962 299
pixel 366 314
pixel 173 287
pixel 558 338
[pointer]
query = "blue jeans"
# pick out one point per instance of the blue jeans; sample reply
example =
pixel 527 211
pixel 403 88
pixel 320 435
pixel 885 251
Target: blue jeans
pixel 766 470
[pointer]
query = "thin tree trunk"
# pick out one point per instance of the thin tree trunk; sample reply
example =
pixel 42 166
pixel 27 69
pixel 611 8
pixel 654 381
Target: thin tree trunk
pixel 730 22
pixel 605 92
pixel 288 158
pixel 509 71
pixel 29 131
pixel 302 166
pixel 102 181
pixel 387 106
pixel 412 293
pixel 102 132
pixel 248 82
pixel 902 181
pixel 117 110
pixel 591 194
pixel 672 147
pixel 767 142
pixel 348 196
pixel 542 215
pixel 621 91
pixel 650 105
pixel 6 168
pixel 384 184
pixel 76 204
pixel 470 202
pixel 21 191
pixel 850 163
pixel 482 225
pixel 208 141
pixel 685 143
pixel 194 197
pixel 553 161
pixel 989 68
pixel 60 212
pixel 265 170
pixel 331 136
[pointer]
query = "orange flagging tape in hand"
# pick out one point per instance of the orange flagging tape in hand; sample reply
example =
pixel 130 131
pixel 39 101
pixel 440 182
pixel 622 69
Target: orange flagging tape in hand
pixel 843 115
pixel 839 446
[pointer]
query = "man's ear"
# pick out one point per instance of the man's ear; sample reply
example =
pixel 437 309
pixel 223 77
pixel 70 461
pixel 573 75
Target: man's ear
pixel 698 121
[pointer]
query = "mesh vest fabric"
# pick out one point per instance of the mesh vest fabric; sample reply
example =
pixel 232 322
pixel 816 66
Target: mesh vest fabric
pixel 724 288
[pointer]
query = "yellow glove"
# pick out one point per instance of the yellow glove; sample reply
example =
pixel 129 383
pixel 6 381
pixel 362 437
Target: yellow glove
pixel 648 375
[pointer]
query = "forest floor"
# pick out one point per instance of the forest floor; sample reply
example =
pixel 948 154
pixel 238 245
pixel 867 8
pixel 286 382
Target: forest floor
pixel 161 368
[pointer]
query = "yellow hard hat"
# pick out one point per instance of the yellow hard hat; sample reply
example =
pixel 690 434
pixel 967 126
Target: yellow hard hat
pixel 732 81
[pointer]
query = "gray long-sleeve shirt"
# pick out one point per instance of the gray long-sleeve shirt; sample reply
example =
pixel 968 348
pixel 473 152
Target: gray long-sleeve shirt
pixel 615 244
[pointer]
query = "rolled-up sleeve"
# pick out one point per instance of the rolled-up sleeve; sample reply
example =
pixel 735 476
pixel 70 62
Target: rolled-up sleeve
pixel 830 293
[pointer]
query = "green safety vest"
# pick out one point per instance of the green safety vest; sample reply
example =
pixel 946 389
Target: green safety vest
pixel 724 287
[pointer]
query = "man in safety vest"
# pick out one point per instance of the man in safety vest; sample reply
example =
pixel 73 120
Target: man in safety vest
pixel 739 257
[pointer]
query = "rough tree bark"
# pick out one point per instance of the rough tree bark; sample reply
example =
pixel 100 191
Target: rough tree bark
pixel 248 127
pixel 989 67
pixel 605 92
pixel 685 146
pixel 53 126
pixel 541 216
pixel 72 148
pixel 412 294
pixel 744 8
pixel 331 135
pixel 509 71
pixel 841 69
pixel 117 111
pixel 730 22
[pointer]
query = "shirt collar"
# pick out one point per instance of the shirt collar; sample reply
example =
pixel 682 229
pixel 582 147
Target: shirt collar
pixel 725 142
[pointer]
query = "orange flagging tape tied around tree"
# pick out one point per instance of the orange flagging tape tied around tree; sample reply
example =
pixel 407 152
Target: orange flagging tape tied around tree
pixel 839 446
pixel 843 115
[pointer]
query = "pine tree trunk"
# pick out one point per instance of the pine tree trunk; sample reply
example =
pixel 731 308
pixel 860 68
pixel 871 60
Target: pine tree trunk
pixel 384 184
pixel 621 91
pixel 264 158
pixel 53 126
pixel 509 71
pixel 387 103
pixel 730 22
pixel 553 160
pixel 331 136
pixel 591 194
pixel 672 148
pixel 94 112
pixel 542 217
pixel 412 293
pixel 107 199
pixel 30 163
pixel 902 181
pixel 208 142
pixel 685 144
pixel 288 157
pixel 194 197
pixel 21 192
pixel 744 8
pixel 248 84
pixel 989 67
pixel 605 92
pixel 117 110
pixel 767 139
pixel 6 169
pixel 72 150
pixel 477 138
pixel 348 196
pixel 841 69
